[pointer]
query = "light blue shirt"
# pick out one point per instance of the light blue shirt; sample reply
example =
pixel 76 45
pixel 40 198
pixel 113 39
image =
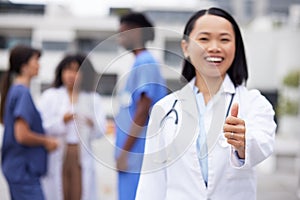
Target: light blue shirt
pixel 201 140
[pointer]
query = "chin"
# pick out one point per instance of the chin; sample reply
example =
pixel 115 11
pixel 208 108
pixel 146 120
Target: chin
pixel 211 73
pixel 34 75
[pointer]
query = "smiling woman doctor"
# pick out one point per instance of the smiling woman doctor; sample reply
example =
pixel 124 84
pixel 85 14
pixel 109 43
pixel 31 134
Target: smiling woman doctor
pixel 204 141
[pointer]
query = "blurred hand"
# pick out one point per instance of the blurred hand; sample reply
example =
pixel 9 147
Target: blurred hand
pixel 235 130
pixel 122 162
pixel 89 122
pixel 51 144
pixel 68 117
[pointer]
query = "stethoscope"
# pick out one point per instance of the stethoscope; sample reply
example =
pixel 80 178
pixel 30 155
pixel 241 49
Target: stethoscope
pixel 222 141
pixel 168 113
pixel 176 113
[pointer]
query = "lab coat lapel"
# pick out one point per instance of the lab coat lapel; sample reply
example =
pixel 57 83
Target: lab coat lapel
pixel 188 126
pixel 188 101
pixel 190 115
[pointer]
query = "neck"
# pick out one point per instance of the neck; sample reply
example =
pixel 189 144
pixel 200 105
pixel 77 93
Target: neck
pixel 73 94
pixel 138 51
pixel 208 86
pixel 24 80
pixel 70 90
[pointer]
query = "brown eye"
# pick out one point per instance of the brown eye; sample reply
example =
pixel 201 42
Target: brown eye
pixel 203 39
pixel 225 40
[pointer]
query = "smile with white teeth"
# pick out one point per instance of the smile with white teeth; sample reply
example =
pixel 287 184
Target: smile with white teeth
pixel 214 59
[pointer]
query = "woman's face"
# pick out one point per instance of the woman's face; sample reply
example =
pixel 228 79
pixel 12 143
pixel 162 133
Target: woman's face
pixel 69 75
pixel 211 46
pixel 31 68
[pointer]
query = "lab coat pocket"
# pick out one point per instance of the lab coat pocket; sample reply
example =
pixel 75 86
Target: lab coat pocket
pixel 169 130
pixel 166 138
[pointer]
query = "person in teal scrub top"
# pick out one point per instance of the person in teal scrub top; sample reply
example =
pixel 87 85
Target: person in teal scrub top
pixel 145 86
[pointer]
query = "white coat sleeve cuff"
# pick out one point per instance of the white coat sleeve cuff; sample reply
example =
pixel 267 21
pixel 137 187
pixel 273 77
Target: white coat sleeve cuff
pixel 235 161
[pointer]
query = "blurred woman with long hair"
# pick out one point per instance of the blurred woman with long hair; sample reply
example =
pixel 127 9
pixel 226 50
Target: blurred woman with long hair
pixel 25 146
pixel 72 112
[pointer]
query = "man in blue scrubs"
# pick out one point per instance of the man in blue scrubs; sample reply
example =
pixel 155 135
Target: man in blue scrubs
pixel 144 87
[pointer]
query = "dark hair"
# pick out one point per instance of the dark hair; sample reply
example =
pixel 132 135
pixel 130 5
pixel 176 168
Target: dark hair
pixel 85 67
pixel 238 71
pixel 19 55
pixel 139 20
pixel 62 65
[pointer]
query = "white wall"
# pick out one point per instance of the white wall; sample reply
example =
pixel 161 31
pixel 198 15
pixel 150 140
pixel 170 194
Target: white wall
pixel 270 56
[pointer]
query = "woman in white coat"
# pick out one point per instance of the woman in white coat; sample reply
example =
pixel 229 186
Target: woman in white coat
pixel 204 141
pixel 73 113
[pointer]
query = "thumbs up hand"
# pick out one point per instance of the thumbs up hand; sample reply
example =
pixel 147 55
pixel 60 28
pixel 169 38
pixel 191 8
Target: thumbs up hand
pixel 234 110
pixel 234 130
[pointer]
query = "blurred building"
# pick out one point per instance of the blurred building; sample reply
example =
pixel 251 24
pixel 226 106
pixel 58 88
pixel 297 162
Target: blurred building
pixel 247 10
pixel 57 30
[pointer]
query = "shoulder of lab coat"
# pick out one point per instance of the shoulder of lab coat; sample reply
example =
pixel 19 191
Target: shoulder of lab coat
pixel 48 104
pixel 258 115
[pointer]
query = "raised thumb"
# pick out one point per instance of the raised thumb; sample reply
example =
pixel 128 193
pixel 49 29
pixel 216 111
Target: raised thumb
pixel 235 109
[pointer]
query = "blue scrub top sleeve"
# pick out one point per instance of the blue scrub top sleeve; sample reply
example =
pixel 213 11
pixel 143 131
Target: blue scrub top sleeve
pixel 24 108
pixel 148 81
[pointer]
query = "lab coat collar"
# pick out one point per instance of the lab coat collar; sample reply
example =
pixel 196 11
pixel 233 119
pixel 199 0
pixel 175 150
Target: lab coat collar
pixel 63 89
pixel 226 87
pixel 188 98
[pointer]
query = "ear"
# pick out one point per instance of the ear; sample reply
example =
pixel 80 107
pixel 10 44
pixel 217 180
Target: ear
pixel 184 47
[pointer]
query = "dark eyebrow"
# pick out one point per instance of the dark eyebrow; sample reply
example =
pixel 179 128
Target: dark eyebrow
pixel 205 33
pixel 208 33
pixel 222 34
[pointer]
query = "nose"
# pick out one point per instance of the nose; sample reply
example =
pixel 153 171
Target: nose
pixel 214 47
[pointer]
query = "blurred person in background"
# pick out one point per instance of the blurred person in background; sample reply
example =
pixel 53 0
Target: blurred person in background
pixel 25 145
pixel 144 87
pixel 72 112
pixel 224 130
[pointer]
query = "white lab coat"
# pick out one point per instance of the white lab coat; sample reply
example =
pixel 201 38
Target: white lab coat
pixel 171 168
pixel 54 103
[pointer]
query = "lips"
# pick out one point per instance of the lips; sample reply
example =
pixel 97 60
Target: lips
pixel 214 59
